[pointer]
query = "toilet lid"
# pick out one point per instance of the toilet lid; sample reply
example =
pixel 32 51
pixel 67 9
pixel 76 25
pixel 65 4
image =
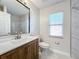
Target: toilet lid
pixel 43 44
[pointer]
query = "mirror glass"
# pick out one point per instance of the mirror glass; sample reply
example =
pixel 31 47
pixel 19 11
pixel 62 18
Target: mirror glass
pixel 14 17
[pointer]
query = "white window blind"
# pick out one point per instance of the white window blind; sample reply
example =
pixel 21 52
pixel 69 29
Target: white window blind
pixel 56 24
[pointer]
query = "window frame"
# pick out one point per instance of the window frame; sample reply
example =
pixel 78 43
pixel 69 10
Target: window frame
pixel 54 36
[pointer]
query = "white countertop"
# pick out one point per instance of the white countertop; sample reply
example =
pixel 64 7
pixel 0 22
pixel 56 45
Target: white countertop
pixel 12 44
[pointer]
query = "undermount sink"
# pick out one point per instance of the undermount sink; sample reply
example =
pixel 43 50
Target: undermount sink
pixel 22 39
pixel 17 40
pixel 28 36
pixel 12 40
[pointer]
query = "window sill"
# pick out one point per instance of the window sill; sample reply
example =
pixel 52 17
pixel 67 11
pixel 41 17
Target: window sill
pixel 60 37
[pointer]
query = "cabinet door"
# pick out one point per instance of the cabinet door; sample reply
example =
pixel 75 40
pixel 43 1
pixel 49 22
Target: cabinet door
pixel 33 50
pixel 36 50
pixel 11 55
pixel 23 52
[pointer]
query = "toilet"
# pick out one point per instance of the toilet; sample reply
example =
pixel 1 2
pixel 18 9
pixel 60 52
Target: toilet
pixel 44 46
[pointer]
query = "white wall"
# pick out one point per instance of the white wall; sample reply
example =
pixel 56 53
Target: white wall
pixel 64 45
pixel 75 33
pixel 75 29
pixel 35 18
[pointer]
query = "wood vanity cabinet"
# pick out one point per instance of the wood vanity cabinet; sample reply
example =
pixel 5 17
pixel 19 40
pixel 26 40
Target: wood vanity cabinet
pixel 27 51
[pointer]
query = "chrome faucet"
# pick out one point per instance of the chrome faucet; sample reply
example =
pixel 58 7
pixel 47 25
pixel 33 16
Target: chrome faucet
pixel 18 35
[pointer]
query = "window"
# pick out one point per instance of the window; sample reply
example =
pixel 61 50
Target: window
pixel 56 24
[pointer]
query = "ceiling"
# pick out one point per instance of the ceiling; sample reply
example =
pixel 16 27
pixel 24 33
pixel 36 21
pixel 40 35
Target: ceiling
pixel 45 3
pixel 14 7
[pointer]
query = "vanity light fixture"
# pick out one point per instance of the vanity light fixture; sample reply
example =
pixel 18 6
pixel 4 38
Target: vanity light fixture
pixel 25 1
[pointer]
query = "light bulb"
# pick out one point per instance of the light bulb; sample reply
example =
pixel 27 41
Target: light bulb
pixel 25 0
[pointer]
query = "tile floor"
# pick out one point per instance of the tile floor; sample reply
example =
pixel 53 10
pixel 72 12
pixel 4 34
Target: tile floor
pixel 52 55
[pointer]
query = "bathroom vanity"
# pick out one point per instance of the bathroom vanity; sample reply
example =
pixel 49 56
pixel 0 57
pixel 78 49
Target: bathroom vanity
pixel 20 49
pixel 16 20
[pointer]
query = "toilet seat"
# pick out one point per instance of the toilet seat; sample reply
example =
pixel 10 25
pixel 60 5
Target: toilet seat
pixel 44 45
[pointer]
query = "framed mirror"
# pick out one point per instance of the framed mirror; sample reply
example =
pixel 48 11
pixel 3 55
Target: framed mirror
pixel 15 17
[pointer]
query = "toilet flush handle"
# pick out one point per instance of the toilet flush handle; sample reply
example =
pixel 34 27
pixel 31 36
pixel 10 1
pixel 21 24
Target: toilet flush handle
pixel 57 43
